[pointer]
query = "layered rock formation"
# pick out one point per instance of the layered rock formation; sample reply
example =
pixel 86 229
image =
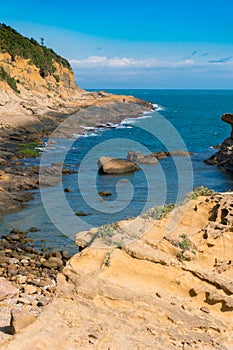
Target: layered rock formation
pixel 224 157
pixel 168 288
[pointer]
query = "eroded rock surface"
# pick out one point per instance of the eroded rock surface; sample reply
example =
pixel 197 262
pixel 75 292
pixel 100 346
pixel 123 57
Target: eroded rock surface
pixel 146 294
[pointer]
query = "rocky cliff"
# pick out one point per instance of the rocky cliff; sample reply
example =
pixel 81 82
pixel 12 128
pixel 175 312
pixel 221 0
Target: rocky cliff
pixel 35 81
pixel 170 287
pixel 224 157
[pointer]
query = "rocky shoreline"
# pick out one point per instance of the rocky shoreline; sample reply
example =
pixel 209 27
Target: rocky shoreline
pixel 22 141
pixel 28 276
pixel 28 279
pixel 164 289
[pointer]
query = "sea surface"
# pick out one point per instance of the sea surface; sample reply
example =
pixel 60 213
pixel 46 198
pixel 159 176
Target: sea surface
pixel 188 120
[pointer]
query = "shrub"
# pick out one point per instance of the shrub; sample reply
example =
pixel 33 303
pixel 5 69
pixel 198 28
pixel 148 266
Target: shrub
pixel 10 81
pixel 159 212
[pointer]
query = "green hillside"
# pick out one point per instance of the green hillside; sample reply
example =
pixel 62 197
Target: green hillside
pixel 17 45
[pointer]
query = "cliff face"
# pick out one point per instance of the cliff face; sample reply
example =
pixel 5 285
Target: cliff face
pixel 224 157
pixel 35 81
pixel 168 289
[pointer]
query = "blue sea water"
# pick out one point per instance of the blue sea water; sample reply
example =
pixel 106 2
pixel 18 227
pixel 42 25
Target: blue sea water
pixel 185 120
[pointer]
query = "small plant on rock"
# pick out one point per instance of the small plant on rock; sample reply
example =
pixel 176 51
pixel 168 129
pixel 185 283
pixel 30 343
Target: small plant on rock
pixel 159 212
pixel 199 191
pixel 184 245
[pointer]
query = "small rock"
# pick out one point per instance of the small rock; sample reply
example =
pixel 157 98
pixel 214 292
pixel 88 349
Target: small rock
pixel 24 262
pixel 12 270
pixel 21 279
pixel 105 193
pixel 66 255
pixel 54 254
pixel 7 291
pixel 42 301
pixel 13 261
pixel 30 289
pixel 205 309
pixel 53 263
pixel 33 229
pixel 67 190
pixel 81 213
pixel 26 299
pixel 20 319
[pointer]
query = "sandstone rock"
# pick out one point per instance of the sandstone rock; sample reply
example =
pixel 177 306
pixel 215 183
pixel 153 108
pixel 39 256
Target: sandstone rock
pixel 7 291
pixel 20 319
pixel 115 166
pixel 29 289
pixel 139 295
pixel 138 157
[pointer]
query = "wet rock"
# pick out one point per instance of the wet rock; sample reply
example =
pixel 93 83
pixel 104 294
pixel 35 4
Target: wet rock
pixel 67 190
pixel 33 229
pixel 81 213
pixel 138 157
pixel 105 193
pixel 116 166
pixel 66 255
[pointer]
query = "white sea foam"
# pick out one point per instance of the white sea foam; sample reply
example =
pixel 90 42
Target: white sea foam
pixel 157 107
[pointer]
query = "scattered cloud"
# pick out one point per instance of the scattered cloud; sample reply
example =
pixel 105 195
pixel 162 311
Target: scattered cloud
pixel 194 53
pixel 221 60
pixel 128 62
pixel 98 48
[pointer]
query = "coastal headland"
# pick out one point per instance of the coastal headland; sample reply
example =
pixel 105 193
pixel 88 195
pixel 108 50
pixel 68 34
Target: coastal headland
pixel 163 280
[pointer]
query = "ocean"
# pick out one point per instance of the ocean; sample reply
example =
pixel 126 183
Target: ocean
pixel 187 120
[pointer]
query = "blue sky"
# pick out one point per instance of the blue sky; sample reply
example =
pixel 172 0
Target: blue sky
pixel 128 44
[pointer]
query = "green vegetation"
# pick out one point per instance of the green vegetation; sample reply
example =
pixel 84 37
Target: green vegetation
pixel 184 245
pixel 158 213
pixel 56 77
pixel 17 45
pixel 108 230
pixel 28 150
pixel 199 191
pixel 10 81
pixel 107 259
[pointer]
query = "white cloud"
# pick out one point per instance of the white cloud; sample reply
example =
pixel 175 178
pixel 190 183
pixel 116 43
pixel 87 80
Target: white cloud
pixel 115 62
pixel 128 62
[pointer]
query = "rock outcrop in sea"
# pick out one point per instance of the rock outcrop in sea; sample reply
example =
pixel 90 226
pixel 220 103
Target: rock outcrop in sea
pixel 224 157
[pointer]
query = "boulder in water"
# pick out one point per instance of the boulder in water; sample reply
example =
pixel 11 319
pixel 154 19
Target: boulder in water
pixel 116 166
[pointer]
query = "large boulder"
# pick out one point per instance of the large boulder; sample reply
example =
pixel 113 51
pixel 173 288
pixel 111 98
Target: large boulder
pixel 115 166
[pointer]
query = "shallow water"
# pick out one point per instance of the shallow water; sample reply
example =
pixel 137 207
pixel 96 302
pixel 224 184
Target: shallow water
pixel 185 120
